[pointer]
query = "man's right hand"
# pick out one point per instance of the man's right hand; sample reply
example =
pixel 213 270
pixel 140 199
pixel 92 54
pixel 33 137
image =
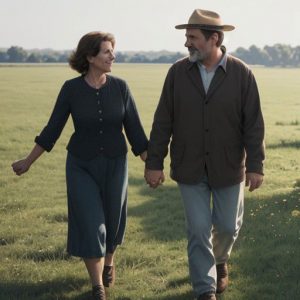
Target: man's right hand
pixel 154 177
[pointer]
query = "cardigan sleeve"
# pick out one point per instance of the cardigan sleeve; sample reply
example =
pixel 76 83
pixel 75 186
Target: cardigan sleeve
pixel 162 127
pixel 132 125
pixel 51 132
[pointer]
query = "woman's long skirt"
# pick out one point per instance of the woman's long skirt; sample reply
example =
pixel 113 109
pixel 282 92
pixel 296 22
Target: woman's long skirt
pixel 97 205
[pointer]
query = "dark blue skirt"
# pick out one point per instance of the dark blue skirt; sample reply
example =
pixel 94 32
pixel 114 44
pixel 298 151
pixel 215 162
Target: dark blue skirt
pixel 97 204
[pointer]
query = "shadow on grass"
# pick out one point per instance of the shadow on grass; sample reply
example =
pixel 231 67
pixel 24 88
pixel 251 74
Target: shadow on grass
pixel 285 144
pixel 181 296
pixel 162 215
pixel 265 263
pixel 176 284
pixel 51 290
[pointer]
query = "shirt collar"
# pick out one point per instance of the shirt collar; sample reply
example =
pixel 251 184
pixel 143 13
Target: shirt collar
pixel 222 63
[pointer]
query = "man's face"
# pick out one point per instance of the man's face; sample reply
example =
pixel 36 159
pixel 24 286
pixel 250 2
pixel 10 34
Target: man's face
pixel 199 48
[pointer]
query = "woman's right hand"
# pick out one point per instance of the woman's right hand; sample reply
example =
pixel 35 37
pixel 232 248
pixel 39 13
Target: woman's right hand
pixel 143 156
pixel 21 166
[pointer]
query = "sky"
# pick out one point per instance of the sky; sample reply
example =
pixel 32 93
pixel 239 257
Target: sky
pixel 144 25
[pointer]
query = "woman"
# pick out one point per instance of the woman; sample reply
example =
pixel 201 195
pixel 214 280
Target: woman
pixel 101 106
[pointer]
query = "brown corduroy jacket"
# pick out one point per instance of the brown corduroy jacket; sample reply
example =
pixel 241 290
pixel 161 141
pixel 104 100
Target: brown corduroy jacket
pixel 221 131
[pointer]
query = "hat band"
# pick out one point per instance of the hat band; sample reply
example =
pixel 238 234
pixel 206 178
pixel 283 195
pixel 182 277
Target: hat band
pixel 205 27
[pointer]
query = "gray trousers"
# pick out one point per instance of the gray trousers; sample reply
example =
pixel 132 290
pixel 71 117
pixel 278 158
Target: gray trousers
pixel 213 218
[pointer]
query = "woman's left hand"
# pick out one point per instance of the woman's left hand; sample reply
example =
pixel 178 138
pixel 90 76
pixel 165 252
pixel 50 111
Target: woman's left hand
pixel 143 156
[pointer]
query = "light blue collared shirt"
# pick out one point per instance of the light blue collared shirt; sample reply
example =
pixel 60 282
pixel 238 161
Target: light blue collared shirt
pixel 208 76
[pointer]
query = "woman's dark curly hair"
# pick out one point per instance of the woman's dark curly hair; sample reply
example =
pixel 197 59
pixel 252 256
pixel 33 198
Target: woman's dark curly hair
pixel 89 45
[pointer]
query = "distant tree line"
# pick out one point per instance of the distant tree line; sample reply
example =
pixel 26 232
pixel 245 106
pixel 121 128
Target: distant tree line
pixel 17 54
pixel 277 55
pixel 270 56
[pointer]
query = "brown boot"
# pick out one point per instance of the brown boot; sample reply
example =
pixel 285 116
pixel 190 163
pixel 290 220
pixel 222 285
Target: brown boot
pixel 98 292
pixel 222 277
pixel 207 296
pixel 108 276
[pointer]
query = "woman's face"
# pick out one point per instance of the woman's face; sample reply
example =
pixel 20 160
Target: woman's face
pixel 104 59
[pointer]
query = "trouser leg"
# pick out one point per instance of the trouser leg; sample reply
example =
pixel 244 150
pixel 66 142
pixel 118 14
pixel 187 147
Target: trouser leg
pixel 213 218
pixel 227 216
pixel 196 201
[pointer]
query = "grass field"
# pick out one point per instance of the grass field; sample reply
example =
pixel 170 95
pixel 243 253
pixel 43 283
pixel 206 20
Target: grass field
pixel 152 263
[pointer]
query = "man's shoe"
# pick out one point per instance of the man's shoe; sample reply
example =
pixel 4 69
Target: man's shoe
pixel 222 277
pixel 108 276
pixel 98 292
pixel 207 296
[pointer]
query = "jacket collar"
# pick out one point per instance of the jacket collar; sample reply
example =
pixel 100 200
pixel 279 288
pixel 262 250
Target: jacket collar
pixel 194 75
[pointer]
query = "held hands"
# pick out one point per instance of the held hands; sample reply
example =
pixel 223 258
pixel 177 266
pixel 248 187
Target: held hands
pixel 143 156
pixel 21 166
pixel 254 181
pixel 154 177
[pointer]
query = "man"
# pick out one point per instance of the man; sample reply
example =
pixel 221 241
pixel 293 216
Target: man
pixel 210 109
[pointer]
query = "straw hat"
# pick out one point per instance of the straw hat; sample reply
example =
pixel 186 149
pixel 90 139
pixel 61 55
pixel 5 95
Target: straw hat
pixel 205 19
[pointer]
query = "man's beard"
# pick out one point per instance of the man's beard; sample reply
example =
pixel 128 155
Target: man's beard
pixel 196 55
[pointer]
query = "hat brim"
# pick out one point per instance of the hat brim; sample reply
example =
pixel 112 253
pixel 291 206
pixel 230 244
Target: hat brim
pixel 206 27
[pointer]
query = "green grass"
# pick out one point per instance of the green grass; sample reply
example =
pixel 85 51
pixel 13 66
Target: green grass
pixel 152 263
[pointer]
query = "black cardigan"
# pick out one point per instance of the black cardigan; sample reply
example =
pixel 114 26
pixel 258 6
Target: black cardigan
pixel 99 117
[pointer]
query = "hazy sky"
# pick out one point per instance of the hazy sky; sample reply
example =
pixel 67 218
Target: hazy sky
pixel 144 24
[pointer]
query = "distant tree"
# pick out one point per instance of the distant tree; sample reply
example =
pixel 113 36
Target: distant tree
pixel 277 55
pixel 3 56
pixel 120 57
pixel 48 58
pixel 169 59
pixel 178 56
pixel 161 59
pixel 258 56
pixel 296 56
pixel 137 58
pixel 274 54
pixel 242 54
pixel 34 58
pixel 285 55
pixel 63 58
pixel 16 54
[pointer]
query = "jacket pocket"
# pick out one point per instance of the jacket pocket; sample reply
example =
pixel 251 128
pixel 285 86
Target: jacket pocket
pixel 236 156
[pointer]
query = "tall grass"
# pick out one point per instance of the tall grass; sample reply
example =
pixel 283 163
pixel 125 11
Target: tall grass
pixel 152 263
